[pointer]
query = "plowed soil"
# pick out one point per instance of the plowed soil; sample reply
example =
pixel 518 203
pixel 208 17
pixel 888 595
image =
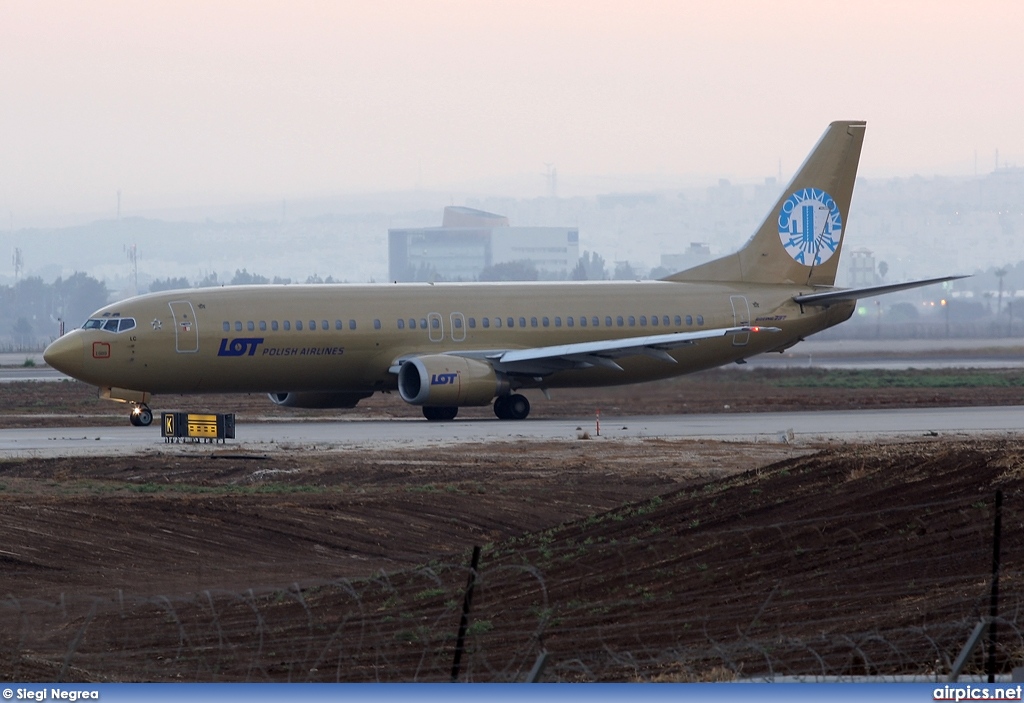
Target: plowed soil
pixel 645 559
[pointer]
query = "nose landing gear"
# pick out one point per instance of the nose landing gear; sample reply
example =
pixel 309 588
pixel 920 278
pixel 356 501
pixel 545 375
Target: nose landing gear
pixel 141 416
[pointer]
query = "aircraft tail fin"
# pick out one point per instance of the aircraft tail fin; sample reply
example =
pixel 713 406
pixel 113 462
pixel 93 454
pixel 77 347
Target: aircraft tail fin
pixel 800 240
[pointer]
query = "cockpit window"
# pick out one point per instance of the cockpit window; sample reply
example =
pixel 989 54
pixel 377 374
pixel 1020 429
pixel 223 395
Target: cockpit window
pixel 110 324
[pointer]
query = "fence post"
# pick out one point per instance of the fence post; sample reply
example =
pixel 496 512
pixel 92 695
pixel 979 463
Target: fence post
pixel 467 601
pixel 993 609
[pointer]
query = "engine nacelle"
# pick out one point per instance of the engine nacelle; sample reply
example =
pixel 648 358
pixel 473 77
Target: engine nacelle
pixel 318 400
pixel 446 381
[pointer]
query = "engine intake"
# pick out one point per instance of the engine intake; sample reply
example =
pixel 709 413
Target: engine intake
pixel 445 381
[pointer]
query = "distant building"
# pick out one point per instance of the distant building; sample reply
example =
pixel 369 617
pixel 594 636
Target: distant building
pixel 698 253
pixel 468 241
pixel 861 271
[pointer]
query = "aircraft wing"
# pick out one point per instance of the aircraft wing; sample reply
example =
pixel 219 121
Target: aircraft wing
pixel 838 295
pixel 582 355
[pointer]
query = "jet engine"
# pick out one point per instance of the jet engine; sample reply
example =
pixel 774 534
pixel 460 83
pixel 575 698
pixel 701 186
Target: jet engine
pixel 441 380
pixel 318 400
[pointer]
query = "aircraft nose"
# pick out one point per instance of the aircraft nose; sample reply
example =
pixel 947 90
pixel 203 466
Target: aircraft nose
pixel 66 354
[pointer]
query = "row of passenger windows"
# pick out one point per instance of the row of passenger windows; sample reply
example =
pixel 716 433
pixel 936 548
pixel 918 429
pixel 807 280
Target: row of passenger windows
pixel 251 326
pixel 434 322
pixel 582 321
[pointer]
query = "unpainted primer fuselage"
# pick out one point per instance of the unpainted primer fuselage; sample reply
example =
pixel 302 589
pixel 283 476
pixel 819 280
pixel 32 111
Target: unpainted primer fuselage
pixel 348 338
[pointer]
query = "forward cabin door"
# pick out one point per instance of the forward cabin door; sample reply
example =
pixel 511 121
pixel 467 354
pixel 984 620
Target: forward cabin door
pixel 740 318
pixel 186 328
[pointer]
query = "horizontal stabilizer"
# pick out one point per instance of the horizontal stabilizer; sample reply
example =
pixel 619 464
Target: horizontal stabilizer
pixel 826 298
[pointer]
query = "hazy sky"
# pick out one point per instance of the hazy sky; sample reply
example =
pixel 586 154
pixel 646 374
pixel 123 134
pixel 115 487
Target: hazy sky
pixel 201 102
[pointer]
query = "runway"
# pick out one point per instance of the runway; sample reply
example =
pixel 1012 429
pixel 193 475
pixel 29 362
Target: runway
pixel 355 435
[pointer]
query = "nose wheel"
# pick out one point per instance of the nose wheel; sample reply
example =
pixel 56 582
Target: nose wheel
pixel 141 416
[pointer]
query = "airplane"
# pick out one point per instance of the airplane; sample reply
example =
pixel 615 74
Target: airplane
pixel 445 346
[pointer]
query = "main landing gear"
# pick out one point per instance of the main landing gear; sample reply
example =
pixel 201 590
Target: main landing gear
pixel 141 416
pixel 511 407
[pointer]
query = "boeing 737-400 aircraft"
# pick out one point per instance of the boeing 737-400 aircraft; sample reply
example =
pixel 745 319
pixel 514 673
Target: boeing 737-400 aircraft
pixel 445 346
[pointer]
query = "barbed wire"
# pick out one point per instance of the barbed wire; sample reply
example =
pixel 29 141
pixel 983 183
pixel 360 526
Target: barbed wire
pixel 890 592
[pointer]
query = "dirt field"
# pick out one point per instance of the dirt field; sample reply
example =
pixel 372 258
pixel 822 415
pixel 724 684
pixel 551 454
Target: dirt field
pixel 632 560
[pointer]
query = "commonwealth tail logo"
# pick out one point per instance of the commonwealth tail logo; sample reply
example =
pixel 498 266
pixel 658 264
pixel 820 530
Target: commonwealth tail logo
pixel 810 226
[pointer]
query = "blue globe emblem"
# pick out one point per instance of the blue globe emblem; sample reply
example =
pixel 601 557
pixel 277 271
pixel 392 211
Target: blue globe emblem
pixel 810 226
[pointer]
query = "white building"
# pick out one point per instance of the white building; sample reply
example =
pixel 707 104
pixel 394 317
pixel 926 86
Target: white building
pixel 468 241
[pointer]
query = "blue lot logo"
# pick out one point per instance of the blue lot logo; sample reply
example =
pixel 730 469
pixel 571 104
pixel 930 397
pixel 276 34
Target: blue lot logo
pixel 239 346
pixel 443 379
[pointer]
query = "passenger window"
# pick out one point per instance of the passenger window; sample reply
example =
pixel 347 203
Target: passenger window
pixel 238 326
pixel 512 323
pixel 337 324
pixel 570 322
pixel 435 323
pixel 522 321
pixel 312 325
pixel 472 323
pixel 127 323
pixel 643 321
pixel 700 319
pixel 273 325
pixel 423 323
pixel 251 326
pixel 298 324
pixel 632 321
pixel 678 321
pixel 376 324
pixel 486 322
pixel 412 323
pixel 619 321
pixel 227 326
pixel 497 322
pixel 287 325
pixel 458 323
pixel 583 320
pixel 324 326
pixel 664 320
pixel 401 324
pixel 263 325
pixel 545 321
pixel 689 319
pixel 607 321
pixel 654 320
pixel 533 322
pixel 351 324
pixel 558 322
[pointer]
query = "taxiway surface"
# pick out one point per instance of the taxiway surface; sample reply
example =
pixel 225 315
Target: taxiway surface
pixel 846 425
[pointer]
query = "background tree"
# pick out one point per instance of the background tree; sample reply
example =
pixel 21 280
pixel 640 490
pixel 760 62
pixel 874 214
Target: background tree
pixel 168 284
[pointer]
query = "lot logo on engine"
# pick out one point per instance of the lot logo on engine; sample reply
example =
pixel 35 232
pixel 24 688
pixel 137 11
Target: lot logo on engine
pixel 443 379
pixel 239 346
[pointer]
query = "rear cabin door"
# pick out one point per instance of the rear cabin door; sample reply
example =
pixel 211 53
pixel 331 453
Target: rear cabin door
pixel 740 318
pixel 186 328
